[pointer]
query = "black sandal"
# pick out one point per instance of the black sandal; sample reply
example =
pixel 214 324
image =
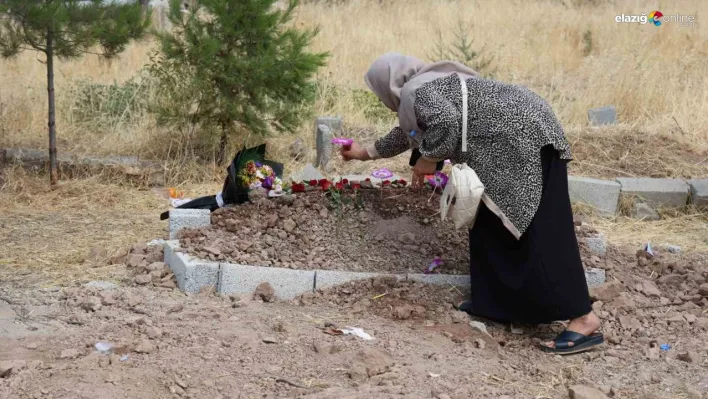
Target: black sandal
pixel 580 343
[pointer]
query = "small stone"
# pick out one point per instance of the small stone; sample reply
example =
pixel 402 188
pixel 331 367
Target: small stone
pixel 140 248
pixel 324 213
pixel 134 260
pixel 270 340
pixel 407 238
pixel 373 361
pixel 91 304
pixel 158 267
pixel 181 383
pixel 403 312
pixel 671 280
pixel 479 326
pixel 650 289
pixel 674 249
pixel 134 300
pixel 143 279
pixel 585 392
pixel 460 317
pixel 289 225
pixel 703 290
pixel 145 346
pixel 175 308
pixel 213 250
pixel 688 357
pixel 606 292
pixel 69 354
pixel 298 149
pixel 154 333
pixel 168 284
pixel 107 298
pixel 264 291
pixel 6 368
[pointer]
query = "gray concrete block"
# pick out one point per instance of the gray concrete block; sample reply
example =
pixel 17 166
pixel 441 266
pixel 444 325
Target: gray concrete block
pixel 457 280
pixel 699 192
pixel 242 279
pixel 188 219
pixel 597 245
pixel 603 115
pixel 330 278
pixel 594 277
pixel 656 192
pixel 192 274
pixel 602 195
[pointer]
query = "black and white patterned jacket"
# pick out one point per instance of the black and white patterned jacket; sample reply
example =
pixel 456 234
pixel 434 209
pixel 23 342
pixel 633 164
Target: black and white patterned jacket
pixel 506 129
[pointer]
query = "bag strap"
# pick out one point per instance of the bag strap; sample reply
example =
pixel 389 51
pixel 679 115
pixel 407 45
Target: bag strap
pixel 463 84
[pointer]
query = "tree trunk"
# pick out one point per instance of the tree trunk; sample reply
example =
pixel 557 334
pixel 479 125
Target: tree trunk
pixel 223 144
pixel 53 173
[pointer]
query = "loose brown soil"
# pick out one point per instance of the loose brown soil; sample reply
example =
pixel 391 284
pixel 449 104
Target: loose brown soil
pixel 170 345
pixel 394 230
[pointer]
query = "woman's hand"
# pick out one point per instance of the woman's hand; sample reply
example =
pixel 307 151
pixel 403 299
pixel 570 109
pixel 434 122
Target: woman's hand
pixel 423 167
pixel 356 152
pixel 420 170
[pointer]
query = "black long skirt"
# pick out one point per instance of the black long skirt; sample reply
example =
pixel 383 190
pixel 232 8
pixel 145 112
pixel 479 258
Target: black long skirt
pixel 539 278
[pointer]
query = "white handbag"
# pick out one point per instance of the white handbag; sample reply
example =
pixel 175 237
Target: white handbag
pixel 463 185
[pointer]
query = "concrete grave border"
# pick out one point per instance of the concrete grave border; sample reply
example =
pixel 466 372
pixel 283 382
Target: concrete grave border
pixel 194 274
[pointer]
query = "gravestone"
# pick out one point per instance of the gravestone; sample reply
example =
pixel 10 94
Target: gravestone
pixel 326 128
pixel 603 116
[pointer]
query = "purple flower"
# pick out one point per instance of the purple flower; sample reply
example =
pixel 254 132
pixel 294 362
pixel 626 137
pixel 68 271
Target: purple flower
pixel 439 179
pixel 268 182
pixel 258 164
pixel 437 262
pixel 382 173
pixel 448 162
pixel 342 141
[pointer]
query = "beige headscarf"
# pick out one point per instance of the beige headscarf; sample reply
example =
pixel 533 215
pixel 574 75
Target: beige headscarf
pixel 394 77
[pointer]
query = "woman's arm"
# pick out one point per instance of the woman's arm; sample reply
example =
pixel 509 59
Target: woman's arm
pixel 440 119
pixel 394 143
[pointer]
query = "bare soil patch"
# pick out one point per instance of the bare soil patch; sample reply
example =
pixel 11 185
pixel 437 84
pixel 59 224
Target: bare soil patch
pixel 169 345
pixel 393 230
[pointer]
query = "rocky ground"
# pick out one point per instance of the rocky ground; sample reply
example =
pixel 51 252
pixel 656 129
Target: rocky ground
pixel 165 344
pixel 389 230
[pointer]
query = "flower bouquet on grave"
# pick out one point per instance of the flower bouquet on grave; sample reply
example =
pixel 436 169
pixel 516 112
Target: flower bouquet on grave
pixel 248 170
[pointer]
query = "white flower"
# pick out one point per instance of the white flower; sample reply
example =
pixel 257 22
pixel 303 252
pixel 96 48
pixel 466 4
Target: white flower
pixel 259 175
pixel 278 187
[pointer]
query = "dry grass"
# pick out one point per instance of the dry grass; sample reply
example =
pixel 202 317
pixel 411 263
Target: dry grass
pixel 655 76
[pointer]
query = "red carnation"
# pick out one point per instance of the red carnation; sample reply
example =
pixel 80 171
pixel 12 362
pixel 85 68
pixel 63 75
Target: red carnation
pixel 339 185
pixel 402 182
pixel 322 182
pixel 356 186
pixel 313 182
pixel 325 184
pixel 345 181
pixel 367 179
pixel 386 182
pixel 298 187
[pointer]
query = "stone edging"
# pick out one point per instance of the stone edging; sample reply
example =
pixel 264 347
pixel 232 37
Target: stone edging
pixel 653 193
pixel 194 274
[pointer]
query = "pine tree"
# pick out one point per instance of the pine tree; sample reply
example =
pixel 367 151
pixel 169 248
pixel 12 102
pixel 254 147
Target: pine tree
pixel 235 66
pixel 67 29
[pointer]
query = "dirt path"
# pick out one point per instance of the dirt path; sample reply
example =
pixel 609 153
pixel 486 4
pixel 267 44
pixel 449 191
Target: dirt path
pixel 169 345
